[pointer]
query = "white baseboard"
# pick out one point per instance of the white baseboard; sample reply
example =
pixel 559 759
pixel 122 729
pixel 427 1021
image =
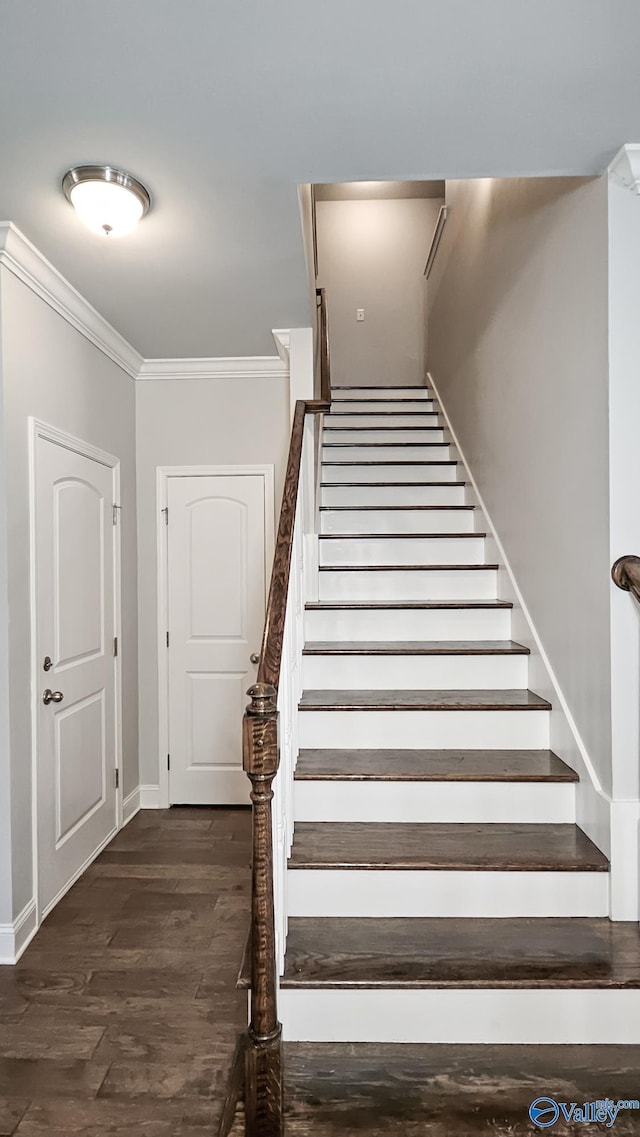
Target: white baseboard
pixel 15 937
pixel 130 806
pixel 150 797
pixel 593 805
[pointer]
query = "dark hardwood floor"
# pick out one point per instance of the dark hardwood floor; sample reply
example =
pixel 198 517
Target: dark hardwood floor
pixel 122 1015
pixel 450 1091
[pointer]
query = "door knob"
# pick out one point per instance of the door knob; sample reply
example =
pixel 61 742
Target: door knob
pixel 254 657
pixel 50 696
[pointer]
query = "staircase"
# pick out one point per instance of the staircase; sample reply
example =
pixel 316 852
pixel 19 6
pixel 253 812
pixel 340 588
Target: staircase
pixel 438 887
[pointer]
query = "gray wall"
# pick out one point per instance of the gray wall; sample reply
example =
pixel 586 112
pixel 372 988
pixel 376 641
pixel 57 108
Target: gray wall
pixel 518 348
pixel 371 255
pixel 50 371
pixel 190 422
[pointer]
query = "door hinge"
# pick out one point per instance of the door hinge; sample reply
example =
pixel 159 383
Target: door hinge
pixel 114 514
pixel 115 645
pixel 117 778
pixel 167 639
pixel 168 761
pixel 166 514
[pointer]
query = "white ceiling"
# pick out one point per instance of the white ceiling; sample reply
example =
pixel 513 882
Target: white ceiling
pixel 223 106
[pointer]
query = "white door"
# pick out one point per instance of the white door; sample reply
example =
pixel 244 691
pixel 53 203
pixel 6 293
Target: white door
pixel 75 692
pixel 216 604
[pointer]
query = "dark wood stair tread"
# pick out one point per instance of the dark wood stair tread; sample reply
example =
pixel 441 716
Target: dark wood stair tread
pixel 393 508
pixel 400 605
pixel 357 426
pixel 390 462
pixel 397 536
pixel 416 414
pixel 353 485
pixel 429 1090
pixel 439 847
pixel 433 766
pixel 479 953
pixel 373 399
pixel 473 700
pixel 337 445
pixel 408 568
pixel 414 647
pixel 378 387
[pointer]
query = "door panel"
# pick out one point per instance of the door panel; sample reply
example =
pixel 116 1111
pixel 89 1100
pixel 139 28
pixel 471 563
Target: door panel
pixel 75 623
pixel 216 602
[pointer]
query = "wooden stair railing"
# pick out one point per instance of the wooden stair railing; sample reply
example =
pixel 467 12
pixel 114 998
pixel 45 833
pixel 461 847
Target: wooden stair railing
pixel 259 1055
pixel 626 574
pixel 323 365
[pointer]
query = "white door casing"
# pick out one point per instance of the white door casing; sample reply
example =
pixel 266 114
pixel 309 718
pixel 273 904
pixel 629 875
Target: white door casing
pixel 75 599
pixel 218 543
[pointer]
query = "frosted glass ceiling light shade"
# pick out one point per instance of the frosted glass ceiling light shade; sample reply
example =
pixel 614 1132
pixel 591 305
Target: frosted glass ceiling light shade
pixel 107 201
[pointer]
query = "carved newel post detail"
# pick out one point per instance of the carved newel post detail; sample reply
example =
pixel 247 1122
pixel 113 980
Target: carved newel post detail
pixel 263 1060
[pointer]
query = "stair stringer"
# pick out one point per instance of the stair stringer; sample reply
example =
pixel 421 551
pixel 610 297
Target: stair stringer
pixel 612 826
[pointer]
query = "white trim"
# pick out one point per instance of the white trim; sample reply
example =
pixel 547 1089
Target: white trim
pixel 130 806
pixel 282 336
pixel 16 937
pixel 42 430
pixel 625 167
pixel 163 474
pixel 21 258
pixel 594 817
pixel 150 797
pixel 236 367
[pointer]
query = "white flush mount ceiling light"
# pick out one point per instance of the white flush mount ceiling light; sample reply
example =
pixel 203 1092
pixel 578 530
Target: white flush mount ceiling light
pixel 108 201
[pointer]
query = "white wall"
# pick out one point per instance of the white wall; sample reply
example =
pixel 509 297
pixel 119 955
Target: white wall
pixel 190 422
pixel 624 419
pixel 371 255
pixel 51 371
pixel 518 348
pixel 6 887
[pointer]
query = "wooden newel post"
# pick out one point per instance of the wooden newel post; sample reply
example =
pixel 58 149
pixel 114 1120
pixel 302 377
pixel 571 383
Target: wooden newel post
pixel 263 1058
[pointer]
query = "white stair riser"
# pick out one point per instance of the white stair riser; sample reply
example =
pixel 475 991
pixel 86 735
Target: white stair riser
pixel 417 672
pixel 402 551
pixel 401 406
pixel 391 495
pixel 395 406
pixel 430 584
pixel 380 393
pixel 455 802
pixel 419 437
pixel 502 1015
pixel 383 453
pixel 388 892
pixel 447 730
pixel 440 471
pixel 397 521
pixel 361 420
pixel 409 624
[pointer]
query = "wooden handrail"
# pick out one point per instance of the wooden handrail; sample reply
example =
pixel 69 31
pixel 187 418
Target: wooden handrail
pixel 271 651
pixel 626 574
pixel 261 1054
pixel 323 346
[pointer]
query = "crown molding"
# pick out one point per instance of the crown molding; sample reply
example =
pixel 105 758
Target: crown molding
pixel 625 167
pixel 21 258
pixel 240 367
